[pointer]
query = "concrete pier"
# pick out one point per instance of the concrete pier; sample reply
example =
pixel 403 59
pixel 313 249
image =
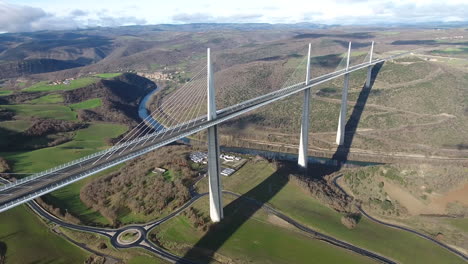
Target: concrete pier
pixel 340 134
pixel 369 70
pixel 304 139
pixel 215 194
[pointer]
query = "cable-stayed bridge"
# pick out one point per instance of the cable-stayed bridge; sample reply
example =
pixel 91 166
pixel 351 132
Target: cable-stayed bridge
pixel 182 114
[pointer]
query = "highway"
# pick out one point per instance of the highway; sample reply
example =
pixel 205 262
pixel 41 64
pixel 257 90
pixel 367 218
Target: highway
pixel 33 187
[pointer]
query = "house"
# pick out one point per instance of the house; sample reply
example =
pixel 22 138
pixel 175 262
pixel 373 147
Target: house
pixel 199 157
pixel 160 170
pixel 227 171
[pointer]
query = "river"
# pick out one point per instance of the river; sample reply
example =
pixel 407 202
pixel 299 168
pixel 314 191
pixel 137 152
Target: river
pixel 144 114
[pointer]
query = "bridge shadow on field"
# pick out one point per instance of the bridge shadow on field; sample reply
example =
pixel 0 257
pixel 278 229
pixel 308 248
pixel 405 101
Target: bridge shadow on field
pixel 241 209
pixel 236 213
pixel 342 151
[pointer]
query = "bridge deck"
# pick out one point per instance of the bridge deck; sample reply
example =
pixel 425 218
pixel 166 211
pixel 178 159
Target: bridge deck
pixel 23 191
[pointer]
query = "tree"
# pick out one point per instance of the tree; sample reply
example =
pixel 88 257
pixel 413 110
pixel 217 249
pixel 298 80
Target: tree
pixel 102 245
pixel 4 166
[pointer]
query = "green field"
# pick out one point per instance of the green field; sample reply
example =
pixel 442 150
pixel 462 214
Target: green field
pixel 88 104
pixel 7 128
pixel 5 92
pixel 108 75
pixel 86 141
pixel 28 240
pixel 42 111
pixel 256 240
pixel 15 125
pixel 48 99
pixel 68 198
pixel 261 182
pixel 74 84
pixel 145 260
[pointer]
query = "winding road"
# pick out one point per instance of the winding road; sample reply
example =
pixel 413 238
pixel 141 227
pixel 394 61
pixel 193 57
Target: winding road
pixel 144 229
pixel 144 242
pixel 454 251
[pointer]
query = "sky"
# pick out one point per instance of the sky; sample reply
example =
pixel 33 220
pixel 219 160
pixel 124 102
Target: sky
pixel 29 15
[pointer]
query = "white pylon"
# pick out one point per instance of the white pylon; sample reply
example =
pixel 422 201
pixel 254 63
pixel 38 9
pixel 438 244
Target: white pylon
pixel 214 180
pixel 304 139
pixel 344 104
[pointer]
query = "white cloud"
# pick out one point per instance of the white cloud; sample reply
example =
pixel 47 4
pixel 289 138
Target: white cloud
pixel 17 18
pixel 40 14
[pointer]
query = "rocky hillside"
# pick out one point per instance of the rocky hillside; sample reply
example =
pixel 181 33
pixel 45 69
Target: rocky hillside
pixel 34 66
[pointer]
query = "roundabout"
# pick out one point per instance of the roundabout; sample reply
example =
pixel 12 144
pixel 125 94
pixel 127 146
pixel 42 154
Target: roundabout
pixel 128 237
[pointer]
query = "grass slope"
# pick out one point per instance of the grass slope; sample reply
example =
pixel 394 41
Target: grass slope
pixel 48 99
pixel 5 92
pixel 42 111
pixel 68 198
pixel 145 260
pixel 108 75
pixel 460 223
pixel 29 241
pixel 294 202
pixel 26 239
pixel 88 104
pixel 255 241
pixel 86 141
pixel 16 125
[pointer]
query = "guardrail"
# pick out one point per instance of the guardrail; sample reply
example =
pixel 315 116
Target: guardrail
pixel 91 156
pixel 58 185
pixel 51 170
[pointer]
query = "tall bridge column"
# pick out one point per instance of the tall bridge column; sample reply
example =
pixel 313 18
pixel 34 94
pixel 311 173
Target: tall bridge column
pixel 369 70
pixel 214 180
pixel 340 134
pixel 304 139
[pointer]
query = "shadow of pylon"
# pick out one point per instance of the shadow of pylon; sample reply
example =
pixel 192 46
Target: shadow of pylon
pixel 203 251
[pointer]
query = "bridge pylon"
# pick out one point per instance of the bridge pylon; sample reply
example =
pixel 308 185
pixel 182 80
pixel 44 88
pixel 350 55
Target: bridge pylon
pixel 214 179
pixel 340 134
pixel 369 70
pixel 304 139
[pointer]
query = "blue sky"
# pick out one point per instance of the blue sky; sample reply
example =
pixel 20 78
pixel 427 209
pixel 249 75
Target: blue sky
pixel 28 15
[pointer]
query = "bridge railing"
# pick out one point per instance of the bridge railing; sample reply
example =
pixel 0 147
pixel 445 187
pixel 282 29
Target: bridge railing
pixel 94 155
pixel 233 108
pixel 52 170
pixel 94 170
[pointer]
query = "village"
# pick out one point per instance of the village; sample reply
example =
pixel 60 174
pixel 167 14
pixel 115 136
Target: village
pixel 66 81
